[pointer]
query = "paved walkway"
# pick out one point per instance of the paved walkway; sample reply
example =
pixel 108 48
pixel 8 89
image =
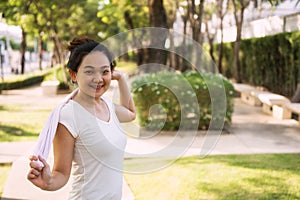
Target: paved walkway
pixel 252 132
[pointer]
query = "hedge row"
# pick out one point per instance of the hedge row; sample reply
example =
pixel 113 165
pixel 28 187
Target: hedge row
pixel 170 101
pixel 272 62
pixel 24 81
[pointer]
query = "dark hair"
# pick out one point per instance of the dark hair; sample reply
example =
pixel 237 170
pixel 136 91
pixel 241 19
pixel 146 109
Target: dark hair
pixel 80 47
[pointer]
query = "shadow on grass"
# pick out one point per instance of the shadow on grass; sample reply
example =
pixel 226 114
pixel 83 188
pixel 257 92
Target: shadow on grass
pixel 276 162
pixel 273 176
pixel 11 133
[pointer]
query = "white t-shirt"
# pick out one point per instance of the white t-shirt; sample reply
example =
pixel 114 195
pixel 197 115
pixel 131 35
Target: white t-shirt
pixel 98 153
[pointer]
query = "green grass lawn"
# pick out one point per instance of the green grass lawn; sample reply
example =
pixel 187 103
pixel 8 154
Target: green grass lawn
pixel 21 122
pixel 226 177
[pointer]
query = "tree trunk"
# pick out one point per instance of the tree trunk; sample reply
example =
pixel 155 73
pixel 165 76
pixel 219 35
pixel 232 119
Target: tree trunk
pixel 194 25
pixel 58 48
pixel 236 62
pixel 139 51
pixel 59 54
pixel 221 15
pixel 158 37
pixel 171 19
pixel 211 37
pixel 200 16
pixel 182 66
pixel 220 49
pixel 172 55
pixel 239 17
pixel 40 51
pixel 200 37
pixel 23 50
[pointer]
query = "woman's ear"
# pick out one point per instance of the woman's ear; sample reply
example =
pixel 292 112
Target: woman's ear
pixel 73 76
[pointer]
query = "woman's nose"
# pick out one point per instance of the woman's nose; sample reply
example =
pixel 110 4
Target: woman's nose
pixel 98 78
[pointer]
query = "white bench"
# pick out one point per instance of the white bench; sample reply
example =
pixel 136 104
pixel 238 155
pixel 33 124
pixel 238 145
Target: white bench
pixel 248 94
pixel 240 88
pixel 292 111
pixel 272 104
pixel 49 87
pixel 253 97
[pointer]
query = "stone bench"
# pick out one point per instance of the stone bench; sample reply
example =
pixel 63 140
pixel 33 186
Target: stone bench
pixel 49 88
pixel 253 97
pixel 248 94
pixel 272 104
pixel 241 88
pixel 292 111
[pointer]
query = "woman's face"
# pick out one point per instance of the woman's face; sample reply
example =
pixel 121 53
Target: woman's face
pixel 94 74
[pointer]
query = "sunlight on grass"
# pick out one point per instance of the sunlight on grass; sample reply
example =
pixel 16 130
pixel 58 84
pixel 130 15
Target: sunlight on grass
pixel 274 176
pixel 4 171
pixel 126 67
pixel 21 122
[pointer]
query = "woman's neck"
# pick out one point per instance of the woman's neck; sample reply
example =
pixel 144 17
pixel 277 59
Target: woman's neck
pixel 87 100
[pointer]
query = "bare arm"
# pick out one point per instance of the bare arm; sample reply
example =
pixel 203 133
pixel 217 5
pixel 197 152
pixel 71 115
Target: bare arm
pixel 126 110
pixel 63 155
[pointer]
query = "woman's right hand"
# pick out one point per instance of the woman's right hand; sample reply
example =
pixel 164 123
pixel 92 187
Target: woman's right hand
pixel 38 175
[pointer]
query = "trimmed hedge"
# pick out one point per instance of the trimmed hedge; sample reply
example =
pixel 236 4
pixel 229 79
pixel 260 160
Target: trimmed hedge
pixel 24 81
pixel 170 101
pixel 272 62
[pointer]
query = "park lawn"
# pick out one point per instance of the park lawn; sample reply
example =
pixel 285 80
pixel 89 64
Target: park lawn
pixel 222 177
pixel 20 122
pixel 126 67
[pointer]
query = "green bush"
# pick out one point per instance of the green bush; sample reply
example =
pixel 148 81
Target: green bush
pixel 21 81
pixel 63 78
pixel 59 74
pixel 169 101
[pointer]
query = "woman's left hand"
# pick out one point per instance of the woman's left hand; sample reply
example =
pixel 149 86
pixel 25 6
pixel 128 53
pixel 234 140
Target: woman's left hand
pixel 116 75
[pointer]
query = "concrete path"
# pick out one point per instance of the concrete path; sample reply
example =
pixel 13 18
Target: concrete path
pixel 252 132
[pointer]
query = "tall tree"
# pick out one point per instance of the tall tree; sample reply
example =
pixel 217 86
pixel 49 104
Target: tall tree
pixel 222 8
pixel 210 28
pixel 158 18
pixel 119 16
pixel 195 19
pixel 185 14
pixel 239 8
pixel 171 10
pixel 16 12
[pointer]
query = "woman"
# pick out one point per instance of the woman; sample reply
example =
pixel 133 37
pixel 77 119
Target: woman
pixel 88 135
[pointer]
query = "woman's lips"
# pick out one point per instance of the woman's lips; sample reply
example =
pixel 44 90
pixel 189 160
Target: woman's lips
pixel 98 87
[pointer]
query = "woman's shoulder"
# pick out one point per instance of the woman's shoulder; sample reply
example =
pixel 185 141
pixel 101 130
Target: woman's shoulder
pixel 68 106
pixel 107 100
pixel 67 110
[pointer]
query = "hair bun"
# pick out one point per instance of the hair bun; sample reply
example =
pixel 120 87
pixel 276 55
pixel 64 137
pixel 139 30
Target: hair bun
pixel 77 41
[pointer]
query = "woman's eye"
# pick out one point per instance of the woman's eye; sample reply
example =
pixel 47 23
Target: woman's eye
pixel 88 72
pixel 105 71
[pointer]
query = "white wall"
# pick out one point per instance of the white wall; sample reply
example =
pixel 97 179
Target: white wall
pixel 262 27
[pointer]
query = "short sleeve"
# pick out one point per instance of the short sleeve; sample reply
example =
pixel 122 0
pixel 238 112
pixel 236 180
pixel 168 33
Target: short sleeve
pixel 66 118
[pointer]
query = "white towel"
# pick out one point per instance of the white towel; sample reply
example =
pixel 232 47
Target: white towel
pixel 48 132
